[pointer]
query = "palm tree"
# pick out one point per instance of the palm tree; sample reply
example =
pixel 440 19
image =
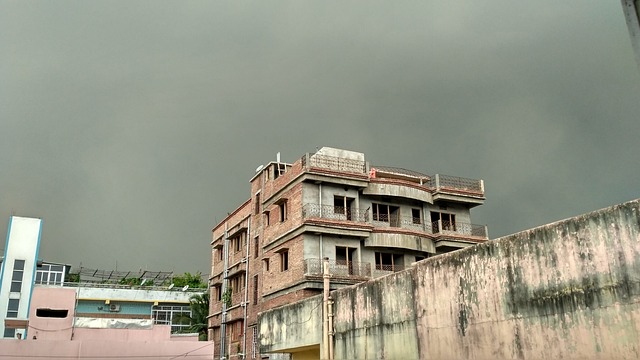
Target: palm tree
pixel 199 304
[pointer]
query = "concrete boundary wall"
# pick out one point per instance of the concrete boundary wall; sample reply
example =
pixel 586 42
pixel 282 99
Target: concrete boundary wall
pixel 566 290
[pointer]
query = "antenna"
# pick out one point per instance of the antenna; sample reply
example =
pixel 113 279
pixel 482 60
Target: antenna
pixel 171 286
pixel 185 288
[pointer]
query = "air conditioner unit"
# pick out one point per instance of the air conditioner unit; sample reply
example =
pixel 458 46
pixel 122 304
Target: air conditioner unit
pixel 114 307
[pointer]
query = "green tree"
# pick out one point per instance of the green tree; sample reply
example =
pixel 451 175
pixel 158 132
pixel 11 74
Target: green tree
pixel 199 304
pixel 194 281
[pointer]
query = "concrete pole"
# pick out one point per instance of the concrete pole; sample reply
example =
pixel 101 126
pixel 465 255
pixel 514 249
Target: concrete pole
pixel 330 316
pixel 325 309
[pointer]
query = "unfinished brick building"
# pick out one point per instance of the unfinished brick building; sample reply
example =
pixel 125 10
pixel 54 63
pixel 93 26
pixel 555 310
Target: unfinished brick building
pixel 368 220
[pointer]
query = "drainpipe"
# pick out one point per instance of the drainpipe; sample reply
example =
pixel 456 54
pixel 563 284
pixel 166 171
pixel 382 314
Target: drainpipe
pixel 320 198
pixel 330 315
pixel 325 309
pixel 225 285
pixel 246 290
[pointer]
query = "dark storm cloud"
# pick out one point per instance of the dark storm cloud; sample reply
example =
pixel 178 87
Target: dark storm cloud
pixel 132 127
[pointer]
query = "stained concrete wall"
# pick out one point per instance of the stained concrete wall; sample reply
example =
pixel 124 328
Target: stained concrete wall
pixel 293 327
pixel 567 290
pixel 570 289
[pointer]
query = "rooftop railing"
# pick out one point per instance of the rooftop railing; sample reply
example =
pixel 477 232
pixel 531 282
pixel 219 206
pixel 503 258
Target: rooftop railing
pixel 334 213
pixel 334 163
pixel 130 287
pixel 458 183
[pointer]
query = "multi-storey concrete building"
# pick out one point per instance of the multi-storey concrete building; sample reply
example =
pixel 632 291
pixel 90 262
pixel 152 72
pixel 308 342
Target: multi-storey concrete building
pixel 368 220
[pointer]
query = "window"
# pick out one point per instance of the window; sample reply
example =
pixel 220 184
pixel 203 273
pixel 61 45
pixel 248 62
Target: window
pixel 237 283
pixel 174 315
pixel 284 260
pixel 52 313
pixel 12 310
pixel 256 247
pixel 443 221
pixel 238 242
pixel 265 263
pixel 16 280
pixel 279 169
pixel 266 218
pixel 342 205
pixel 415 215
pixel 254 343
pixel 388 261
pixel 221 253
pixel 48 274
pixel 386 213
pixel 283 210
pixel 237 328
pixel 217 293
pixel 345 257
pixel 419 258
pixel 9 332
pixel 255 289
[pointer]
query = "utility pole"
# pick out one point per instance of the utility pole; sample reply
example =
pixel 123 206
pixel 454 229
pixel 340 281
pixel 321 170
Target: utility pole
pixel 327 313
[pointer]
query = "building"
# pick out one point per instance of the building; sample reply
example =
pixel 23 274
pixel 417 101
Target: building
pixel 18 272
pixel 99 314
pixel 368 220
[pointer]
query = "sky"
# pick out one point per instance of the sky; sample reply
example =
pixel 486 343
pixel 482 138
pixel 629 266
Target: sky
pixel 133 127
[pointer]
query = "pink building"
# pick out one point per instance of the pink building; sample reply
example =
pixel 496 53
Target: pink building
pixel 53 333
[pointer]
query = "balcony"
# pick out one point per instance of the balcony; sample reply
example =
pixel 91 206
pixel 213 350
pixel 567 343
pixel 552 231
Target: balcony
pixel 459 229
pixel 442 187
pixel 334 213
pixel 386 269
pixel 340 216
pixel 338 268
pixel 403 222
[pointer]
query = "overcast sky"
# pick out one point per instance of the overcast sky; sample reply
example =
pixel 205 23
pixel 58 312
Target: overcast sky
pixel 132 127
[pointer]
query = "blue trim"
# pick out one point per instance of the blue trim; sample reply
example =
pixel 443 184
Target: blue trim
pixel 33 275
pixel 6 247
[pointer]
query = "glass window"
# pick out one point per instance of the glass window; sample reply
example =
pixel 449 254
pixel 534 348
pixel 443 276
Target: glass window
pixel 172 315
pixel 9 333
pixel 12 309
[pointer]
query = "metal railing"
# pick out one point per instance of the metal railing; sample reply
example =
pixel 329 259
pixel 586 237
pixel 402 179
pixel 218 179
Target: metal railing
pixel 455 182
pixel 340 268
pixel 339 213
pixel 389 267
pixel 404 222
pixel 447 227
pixel 334 213
pixel 130 287
pixel 334 163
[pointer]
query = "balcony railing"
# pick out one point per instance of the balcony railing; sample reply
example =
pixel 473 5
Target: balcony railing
pixel 404 222
pixel 339 213
pixel 458 183
pixel 458 228
pixel 314 267
pixel 334 213
pixel 334 163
